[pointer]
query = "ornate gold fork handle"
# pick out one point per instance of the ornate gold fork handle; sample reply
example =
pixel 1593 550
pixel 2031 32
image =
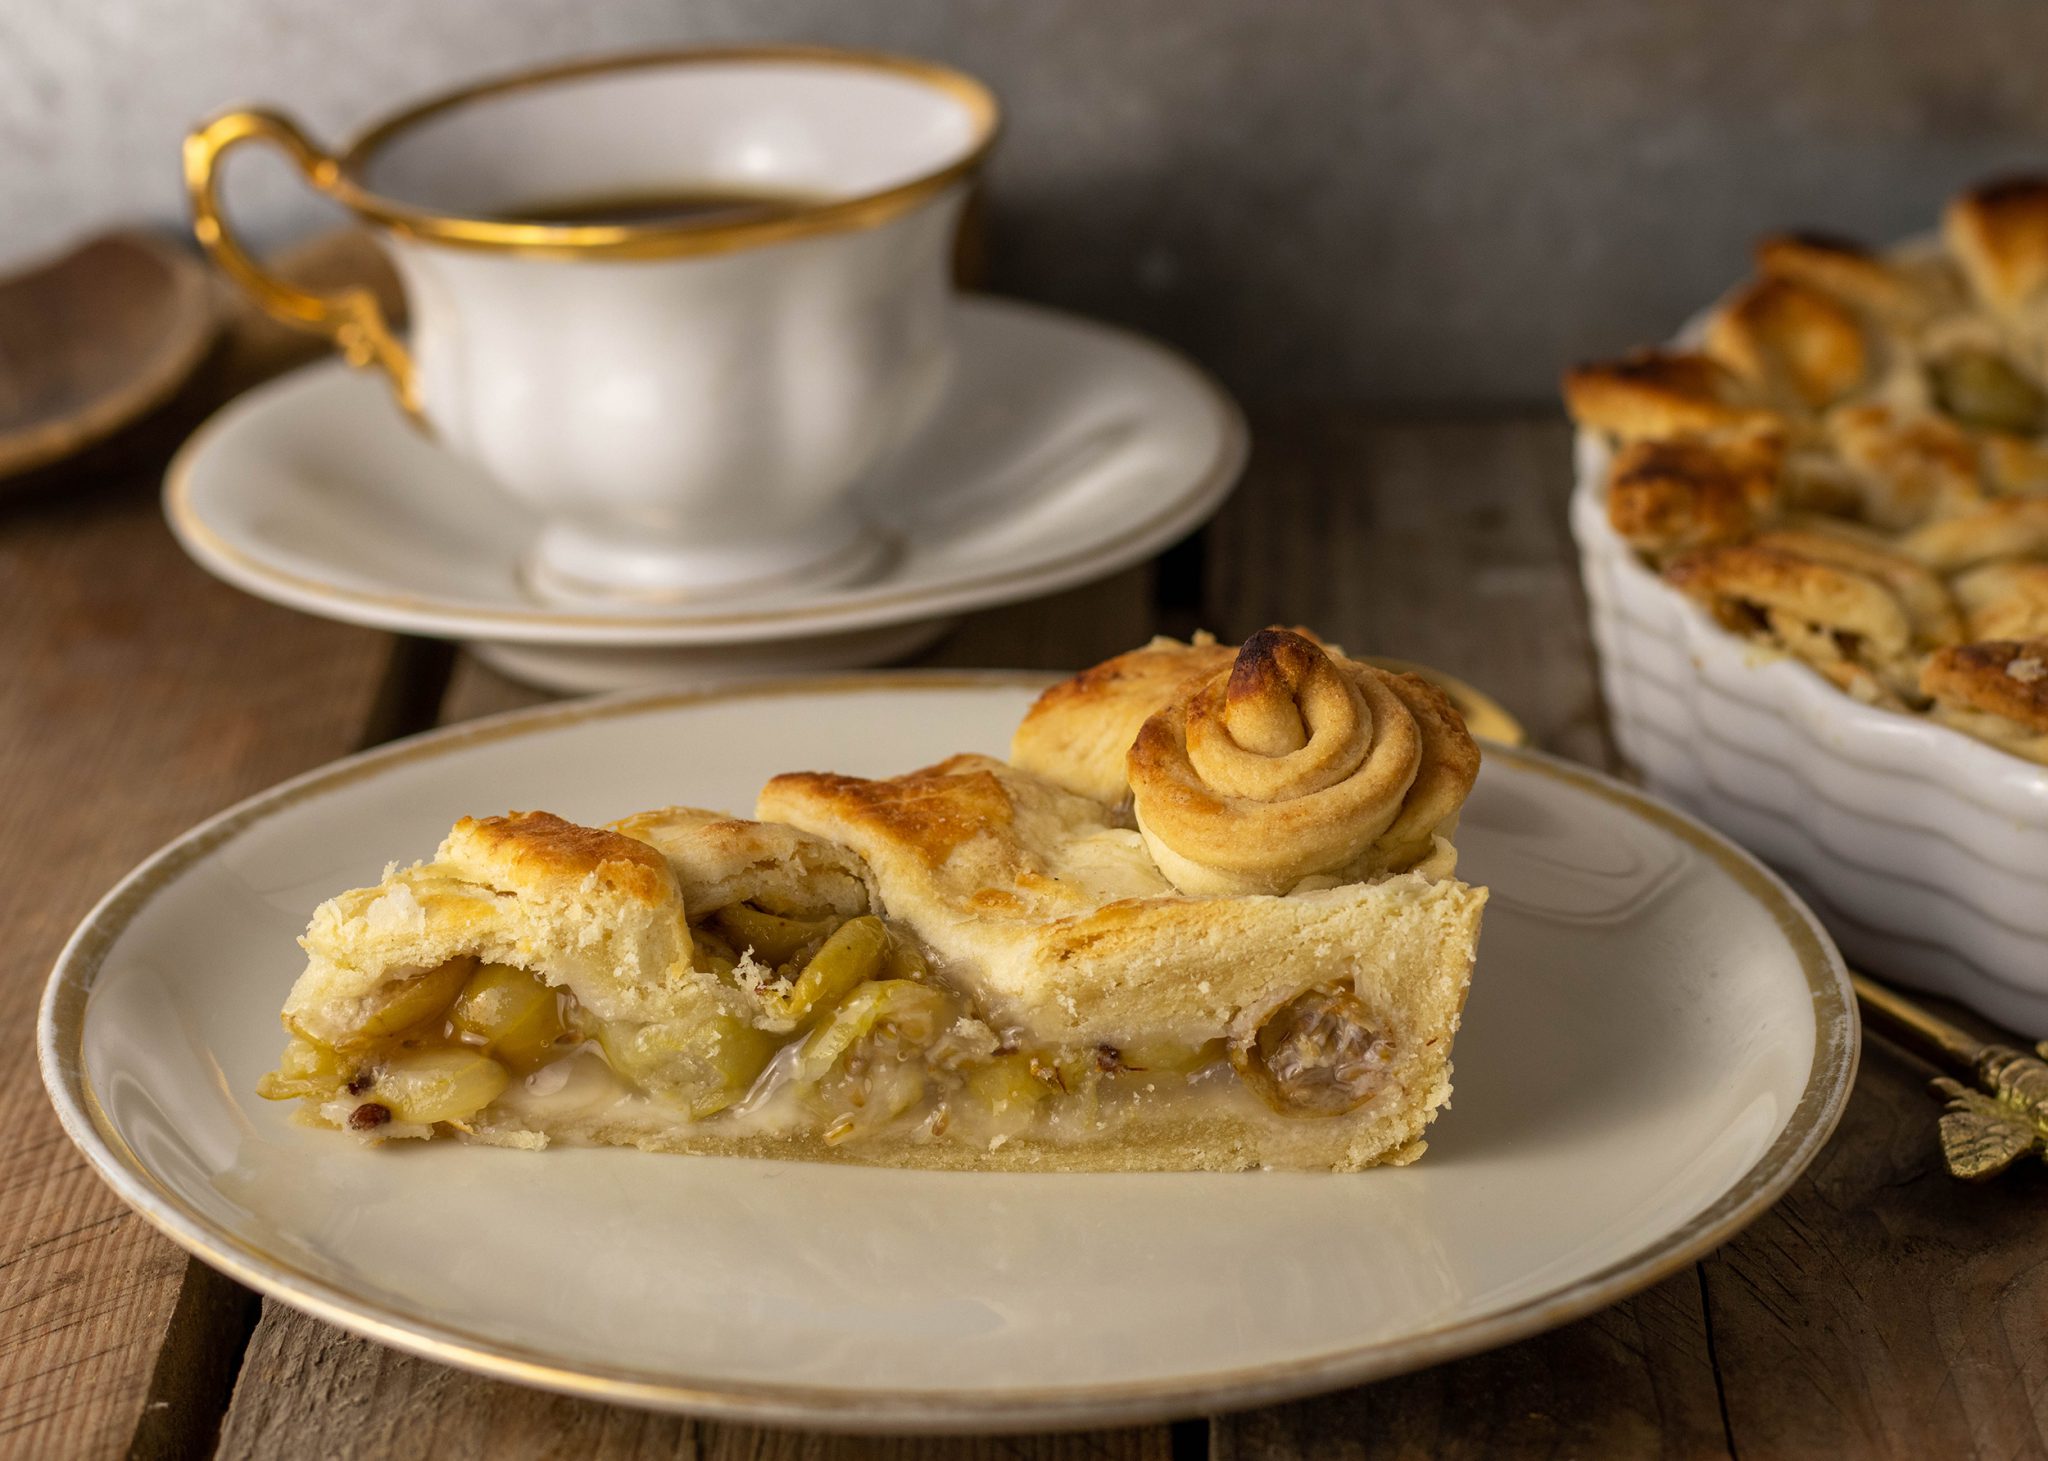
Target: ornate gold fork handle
pixel 1986 1129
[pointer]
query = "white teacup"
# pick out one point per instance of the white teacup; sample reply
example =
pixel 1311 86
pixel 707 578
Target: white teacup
pixel 686 394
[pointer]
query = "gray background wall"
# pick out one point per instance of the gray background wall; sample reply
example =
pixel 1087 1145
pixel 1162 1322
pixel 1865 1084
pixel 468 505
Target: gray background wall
pixel 1404 200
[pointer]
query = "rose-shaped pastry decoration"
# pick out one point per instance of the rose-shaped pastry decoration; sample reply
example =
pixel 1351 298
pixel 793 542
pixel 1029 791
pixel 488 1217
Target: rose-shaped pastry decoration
pixel 1297 763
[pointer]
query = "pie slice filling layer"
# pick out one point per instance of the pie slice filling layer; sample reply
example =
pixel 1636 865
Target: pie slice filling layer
pixel 1233 940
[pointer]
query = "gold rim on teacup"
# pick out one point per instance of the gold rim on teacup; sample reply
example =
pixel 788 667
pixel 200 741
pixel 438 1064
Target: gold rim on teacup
pixel 355 322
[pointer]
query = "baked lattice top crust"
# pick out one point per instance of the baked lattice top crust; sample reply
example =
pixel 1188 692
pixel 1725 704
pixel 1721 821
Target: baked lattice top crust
pixel 968 965
pixel 1896 401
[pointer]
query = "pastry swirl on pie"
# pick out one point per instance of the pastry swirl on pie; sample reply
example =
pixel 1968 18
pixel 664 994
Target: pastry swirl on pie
pixel 1896 403
pixel 971 965
pixel 1297 762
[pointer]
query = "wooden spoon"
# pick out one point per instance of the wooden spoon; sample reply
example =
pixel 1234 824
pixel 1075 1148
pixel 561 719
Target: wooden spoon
pixel 93 340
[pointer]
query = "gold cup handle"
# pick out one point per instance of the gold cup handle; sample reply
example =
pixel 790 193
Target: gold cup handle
pixel 351 318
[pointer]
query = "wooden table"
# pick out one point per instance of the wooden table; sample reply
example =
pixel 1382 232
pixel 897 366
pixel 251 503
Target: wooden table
pixel 1881 1309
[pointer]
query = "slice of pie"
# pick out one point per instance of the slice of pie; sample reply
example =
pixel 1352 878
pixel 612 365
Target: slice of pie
pixel 1247 948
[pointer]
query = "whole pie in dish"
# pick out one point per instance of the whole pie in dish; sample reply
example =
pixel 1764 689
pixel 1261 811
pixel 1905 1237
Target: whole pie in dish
pixel 1206 917
pixel 1850 468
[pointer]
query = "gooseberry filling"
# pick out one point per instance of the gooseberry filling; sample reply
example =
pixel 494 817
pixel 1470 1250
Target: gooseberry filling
pixel 445 1044
pixel 1317 1055
pixel 837 1026
pixel 1983 389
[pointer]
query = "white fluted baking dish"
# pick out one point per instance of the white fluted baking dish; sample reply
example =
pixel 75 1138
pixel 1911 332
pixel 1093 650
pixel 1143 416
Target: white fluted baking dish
pixel 1924 851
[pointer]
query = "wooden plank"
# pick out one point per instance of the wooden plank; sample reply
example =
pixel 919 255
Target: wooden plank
pixel 1883 1308
pixel 1065 632
pixel 336 1398
pixel 1880 1309
pixel 139 697
pixel 309 1390
pixel 475 689
pixel 1437 540
pixel 1634 1381
pixel 1443 541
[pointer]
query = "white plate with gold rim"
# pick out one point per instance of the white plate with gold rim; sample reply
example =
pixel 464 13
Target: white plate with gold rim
pixel 1659 1039
pixel 1064 451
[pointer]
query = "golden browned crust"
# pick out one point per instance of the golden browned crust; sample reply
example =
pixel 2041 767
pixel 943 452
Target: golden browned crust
pixel 1853 613
pixel 2013 465
pixel 1852 469
pixel 1078 732
pixel 1930 608
pixel 1843 269
pixel 1766 578
pixel 1051 930
pixel 1661 393
pixel 1665 496
pixel 586 909
pixel 2007 678
pixel 2013 527
pixel 719 860
pixel 1062 927
pixel 529 846
pixel 1450 767
pixel 1904 466
pixel 995 839
pixel 930 813
pixel 1998 232
pixel 1056 924
pixel 2005 600
pixel 1793 344
pixel 1295 763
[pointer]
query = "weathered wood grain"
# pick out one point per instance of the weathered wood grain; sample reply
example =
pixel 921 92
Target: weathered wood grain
pixel 1438 540
pixel 311 1391
pixel 1064 632
pixel 330 1397
pixel 1883 1308
pixel 138 697
pixel 308 1390
pixel 93 340
pixel 1443 541
pixel 1633 1381
pixel 475 689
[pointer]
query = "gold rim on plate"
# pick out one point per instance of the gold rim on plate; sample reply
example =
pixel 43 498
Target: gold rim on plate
pixel 60 1031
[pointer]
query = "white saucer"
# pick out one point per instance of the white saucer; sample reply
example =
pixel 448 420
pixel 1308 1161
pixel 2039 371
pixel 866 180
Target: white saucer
pixel 1065 450
pixel 1659 1039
